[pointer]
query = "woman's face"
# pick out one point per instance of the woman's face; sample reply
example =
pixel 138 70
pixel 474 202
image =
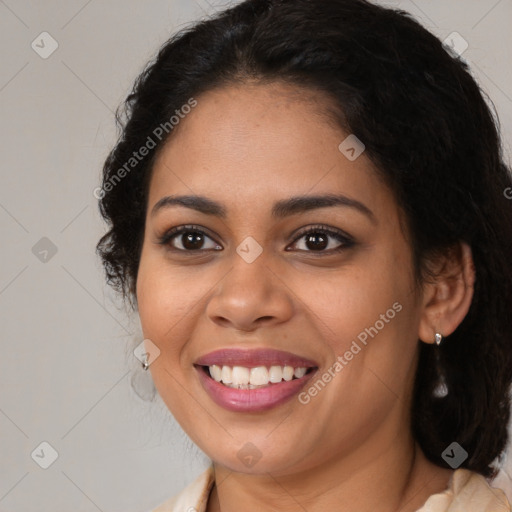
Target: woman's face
pixel 346 306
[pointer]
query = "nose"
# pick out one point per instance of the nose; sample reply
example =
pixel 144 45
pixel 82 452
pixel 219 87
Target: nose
pixel 250 296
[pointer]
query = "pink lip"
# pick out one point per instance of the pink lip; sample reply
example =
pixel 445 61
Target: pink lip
pixel 251 358
pixel 251 400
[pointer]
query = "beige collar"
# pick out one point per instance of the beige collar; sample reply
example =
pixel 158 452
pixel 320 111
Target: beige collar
pixel 467 492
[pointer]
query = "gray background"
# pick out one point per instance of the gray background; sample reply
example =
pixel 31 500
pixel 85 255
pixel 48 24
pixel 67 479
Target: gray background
pixel 66 340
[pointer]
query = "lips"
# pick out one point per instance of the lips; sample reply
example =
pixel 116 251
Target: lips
pixel 252 358
pixel 264 397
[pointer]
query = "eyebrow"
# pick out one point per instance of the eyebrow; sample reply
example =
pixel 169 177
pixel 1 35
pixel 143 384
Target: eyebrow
pixel 280 209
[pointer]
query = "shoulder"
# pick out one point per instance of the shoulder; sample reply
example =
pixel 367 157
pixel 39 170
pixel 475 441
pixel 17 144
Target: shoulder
pixel 469 492
pixel 192 498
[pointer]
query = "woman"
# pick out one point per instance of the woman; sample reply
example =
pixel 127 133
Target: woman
pixel 308 210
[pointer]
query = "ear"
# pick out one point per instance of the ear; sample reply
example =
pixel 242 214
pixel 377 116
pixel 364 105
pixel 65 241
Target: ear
pixel 447 297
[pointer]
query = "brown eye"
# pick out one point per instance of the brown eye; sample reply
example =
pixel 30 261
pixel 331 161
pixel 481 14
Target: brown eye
pixel 318 239
pixel 187 239
pixel 192 240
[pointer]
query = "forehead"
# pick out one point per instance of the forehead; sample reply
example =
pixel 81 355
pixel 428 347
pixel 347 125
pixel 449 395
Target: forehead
pixel 255 144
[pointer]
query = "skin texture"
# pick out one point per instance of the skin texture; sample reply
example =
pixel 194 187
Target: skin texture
pixel 350 447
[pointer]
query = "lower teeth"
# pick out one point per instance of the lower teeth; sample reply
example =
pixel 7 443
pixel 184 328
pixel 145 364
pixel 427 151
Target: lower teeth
pixel 250 386
pixel 244 386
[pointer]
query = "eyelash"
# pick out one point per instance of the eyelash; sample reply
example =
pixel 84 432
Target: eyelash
pixel 346 241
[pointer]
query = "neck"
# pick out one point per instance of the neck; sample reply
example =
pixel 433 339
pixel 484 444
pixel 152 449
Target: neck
pixel 398 477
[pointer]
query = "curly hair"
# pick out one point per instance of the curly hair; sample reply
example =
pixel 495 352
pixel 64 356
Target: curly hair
pixel 426 127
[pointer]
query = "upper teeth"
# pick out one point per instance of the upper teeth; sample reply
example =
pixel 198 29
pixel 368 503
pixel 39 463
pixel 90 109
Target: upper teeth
pixel 237 376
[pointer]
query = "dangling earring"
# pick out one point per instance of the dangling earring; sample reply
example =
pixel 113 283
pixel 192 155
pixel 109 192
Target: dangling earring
pixel 441 389
pixel 145 364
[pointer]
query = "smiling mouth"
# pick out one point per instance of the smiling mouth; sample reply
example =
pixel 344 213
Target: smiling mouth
pixel 242 377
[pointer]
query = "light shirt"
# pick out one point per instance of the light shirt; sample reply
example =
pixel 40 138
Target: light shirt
pixel 467 492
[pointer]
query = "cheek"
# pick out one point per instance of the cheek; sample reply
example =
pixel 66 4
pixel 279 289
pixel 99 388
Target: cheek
pixel 162 303
pixel 367 315
pixel 345 303
pixel 171 301
pixel 165 308
pixel 164 293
